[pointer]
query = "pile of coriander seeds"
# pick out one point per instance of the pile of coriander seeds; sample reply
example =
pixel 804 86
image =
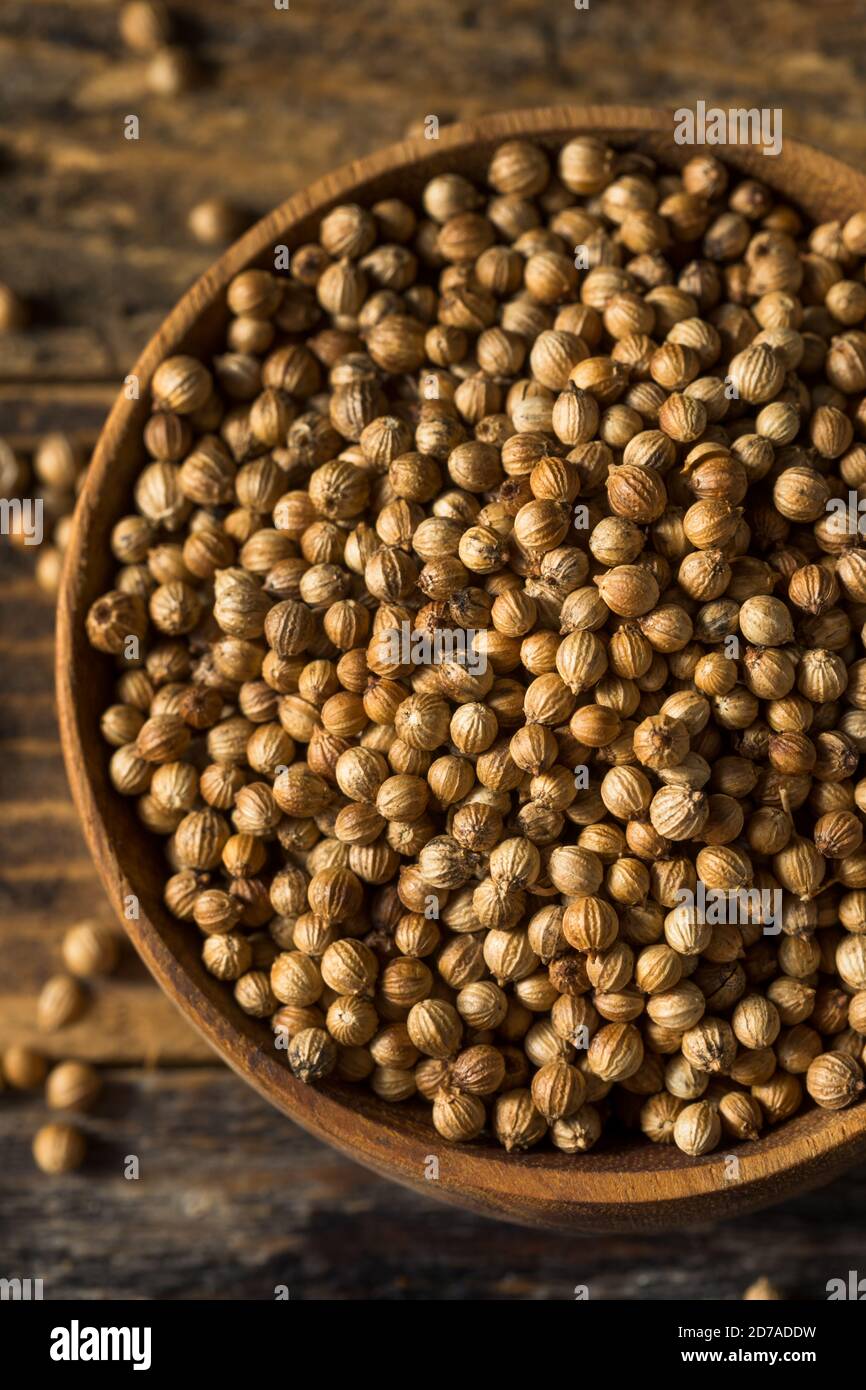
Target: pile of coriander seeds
pixel 605 424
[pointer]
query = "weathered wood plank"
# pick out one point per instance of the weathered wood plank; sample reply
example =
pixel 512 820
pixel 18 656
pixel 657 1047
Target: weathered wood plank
pixel 127 1021
pixel 233 1200
pixel 36 408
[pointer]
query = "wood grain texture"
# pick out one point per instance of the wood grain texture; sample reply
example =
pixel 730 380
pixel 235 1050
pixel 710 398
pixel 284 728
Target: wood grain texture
pixel 98 240
pixel 233 1200
pixel 30 411
pixel 616 1187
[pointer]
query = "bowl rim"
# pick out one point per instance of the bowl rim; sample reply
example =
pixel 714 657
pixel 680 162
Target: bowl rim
pixel 546 1188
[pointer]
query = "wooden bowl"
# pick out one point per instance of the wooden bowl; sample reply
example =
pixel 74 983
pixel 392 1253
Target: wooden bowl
pixel 623 1186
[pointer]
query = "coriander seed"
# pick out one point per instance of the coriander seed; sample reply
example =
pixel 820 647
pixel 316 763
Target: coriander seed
pixel 697 1129
pixel 59 1148
pixel 23 1069
pixel 834 1080
pixel 90 948
pixel 72 1086
pixel 60 1003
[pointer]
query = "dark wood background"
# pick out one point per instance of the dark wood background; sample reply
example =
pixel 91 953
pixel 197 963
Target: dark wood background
pixel 232 1199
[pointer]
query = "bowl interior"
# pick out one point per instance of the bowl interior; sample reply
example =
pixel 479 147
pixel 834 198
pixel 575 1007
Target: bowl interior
pixel 623 1181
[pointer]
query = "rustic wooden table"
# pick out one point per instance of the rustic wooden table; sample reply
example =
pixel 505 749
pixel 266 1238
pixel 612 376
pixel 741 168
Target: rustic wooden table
pixel 231 1199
